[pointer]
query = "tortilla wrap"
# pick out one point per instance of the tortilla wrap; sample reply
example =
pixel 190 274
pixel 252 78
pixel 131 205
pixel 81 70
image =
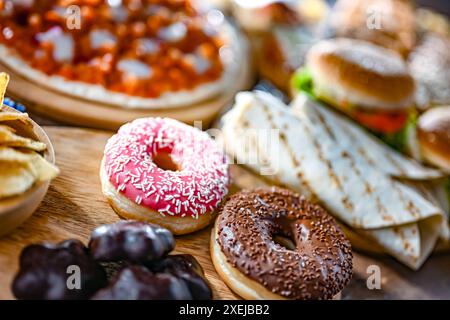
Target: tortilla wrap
pixel 318 154
pixel 360 144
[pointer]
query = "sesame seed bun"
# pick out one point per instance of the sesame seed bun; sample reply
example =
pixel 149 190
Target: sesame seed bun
pixel 433 133
pixel 360 74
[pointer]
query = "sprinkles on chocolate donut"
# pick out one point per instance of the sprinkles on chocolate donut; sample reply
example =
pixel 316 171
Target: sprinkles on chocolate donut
pixel 312 261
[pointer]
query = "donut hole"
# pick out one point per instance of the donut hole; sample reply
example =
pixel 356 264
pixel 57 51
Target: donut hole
pixel 164 161
pixel 285 241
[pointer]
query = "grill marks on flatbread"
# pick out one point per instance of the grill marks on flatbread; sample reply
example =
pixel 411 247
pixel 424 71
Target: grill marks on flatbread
pixel 397 237
pixel 362 175
pixel 362 145
pixel 318 156
pixel 306 188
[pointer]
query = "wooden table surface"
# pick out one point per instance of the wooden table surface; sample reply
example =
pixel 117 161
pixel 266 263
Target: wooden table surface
pixel 75 205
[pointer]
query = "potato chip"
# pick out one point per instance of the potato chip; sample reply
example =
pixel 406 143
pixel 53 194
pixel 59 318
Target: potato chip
pixel 4 79
pixel 12 155
pixel 15 179
pixel 10 139
pixel 19 170
pixel 21 166
pixel 11 116
pixel 42 169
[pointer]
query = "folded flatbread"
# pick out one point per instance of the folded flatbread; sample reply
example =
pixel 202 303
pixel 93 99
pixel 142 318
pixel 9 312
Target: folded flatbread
pixel 360 144
pixel 325 157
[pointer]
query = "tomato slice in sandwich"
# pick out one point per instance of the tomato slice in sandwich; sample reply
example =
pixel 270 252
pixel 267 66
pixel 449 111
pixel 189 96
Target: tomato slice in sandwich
pixel 383 122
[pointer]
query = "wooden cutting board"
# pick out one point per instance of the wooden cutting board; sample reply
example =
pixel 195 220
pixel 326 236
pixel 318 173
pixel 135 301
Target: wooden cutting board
pixel 74 206
pixel 66 109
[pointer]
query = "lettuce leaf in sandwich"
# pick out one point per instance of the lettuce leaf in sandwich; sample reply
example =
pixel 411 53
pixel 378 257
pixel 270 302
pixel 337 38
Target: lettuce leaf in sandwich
pixel 399 140
pixel 302 81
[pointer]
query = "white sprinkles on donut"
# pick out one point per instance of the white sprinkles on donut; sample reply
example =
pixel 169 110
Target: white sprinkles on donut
pixel 197 188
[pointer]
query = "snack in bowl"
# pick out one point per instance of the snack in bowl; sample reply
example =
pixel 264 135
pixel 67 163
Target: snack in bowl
pixel 165 172
pixel 369 83
pixel 274 244
pixel 26 165
pixel 153 55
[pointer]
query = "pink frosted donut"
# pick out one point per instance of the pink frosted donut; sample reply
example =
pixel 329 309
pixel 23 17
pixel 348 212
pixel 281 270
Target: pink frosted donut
pixel 165 172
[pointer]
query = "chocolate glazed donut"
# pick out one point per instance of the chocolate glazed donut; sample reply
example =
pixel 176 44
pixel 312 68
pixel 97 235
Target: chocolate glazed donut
pixel 312 261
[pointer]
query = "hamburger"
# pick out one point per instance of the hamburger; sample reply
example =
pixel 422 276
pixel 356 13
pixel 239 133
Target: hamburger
pixel 429 64
pixel 369 83
pixel 280 32
pixel 432 144
pixel 387 23
pixel 433 137
pixel 259 16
